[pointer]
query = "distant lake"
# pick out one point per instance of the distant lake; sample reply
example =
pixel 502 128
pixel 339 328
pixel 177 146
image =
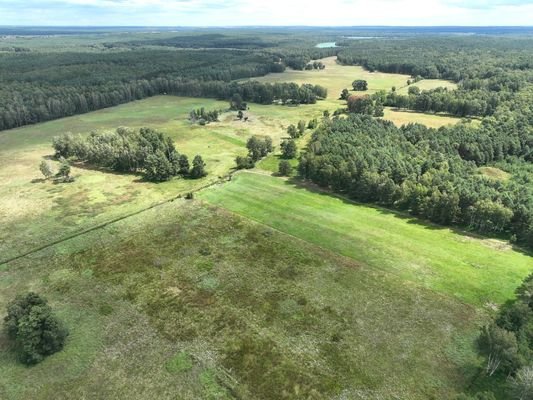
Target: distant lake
pixel 326 44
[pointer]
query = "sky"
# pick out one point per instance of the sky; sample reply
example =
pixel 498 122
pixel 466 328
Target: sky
pixel 266 12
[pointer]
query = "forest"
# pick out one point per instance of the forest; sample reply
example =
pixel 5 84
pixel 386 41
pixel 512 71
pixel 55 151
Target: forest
pixel 430 173
pixel 39 86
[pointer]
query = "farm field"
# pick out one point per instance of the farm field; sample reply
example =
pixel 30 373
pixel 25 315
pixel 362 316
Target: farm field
pixel 188 298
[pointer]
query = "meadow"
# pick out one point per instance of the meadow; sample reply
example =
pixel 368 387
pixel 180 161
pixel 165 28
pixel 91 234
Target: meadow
pixel 188 298
pixel 259 288
pixel 34 211
pixel 336 77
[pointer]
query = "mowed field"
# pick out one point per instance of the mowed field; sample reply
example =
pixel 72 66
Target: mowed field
pixel 437 258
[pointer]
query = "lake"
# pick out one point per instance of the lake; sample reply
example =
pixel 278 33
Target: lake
pixel 326 44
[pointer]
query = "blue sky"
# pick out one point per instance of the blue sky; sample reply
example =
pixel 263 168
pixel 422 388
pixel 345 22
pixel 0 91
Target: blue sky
pixel 265 12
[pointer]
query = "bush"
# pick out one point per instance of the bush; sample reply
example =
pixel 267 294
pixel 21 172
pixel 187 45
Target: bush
pixel 36 332
pixel 284 168
pixel 244 162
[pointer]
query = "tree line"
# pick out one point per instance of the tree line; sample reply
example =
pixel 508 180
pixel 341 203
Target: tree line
pixel 507 346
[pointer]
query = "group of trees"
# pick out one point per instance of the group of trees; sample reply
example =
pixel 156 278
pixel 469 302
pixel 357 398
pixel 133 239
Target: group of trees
pixel 360 85
pixel 127 150
pixel 203 117
pixel 427 172
pixel 34 329
pixel 258 147
pixel 460 102
pixel 63 173
pixel 296 131
pixel 507 343
pixel 365 105
pixel 315 65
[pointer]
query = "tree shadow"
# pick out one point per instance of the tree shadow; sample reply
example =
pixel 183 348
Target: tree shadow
pixel 38 180
pixel 107 170
pixel 300 184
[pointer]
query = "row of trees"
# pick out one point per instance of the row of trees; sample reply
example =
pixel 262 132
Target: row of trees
pixel 23 104
pixel 365 105
pixel 315 65
pixel 429 173
pixel 127 150
pixel 461 103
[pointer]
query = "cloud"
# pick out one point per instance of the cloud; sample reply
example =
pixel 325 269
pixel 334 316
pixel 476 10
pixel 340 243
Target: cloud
pixel 265 12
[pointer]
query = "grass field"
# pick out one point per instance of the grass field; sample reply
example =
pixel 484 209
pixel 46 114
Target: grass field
pixel 33 212
pixel 192 300
pixel 428 84
pixel 337 77
pixel 460 266
pixel 290 294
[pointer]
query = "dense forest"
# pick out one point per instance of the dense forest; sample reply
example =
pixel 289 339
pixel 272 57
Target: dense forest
pixel 490 71
pixel 431 173
pixel 36 87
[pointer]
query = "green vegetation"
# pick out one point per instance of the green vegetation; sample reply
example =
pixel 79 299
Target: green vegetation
pixel 337 77
pixel 259 284
pixel 427 173
pixel 360 85
pixel 285 168
pixel 460 266
pixel 35 330
pixel 257 311
pixel 129 151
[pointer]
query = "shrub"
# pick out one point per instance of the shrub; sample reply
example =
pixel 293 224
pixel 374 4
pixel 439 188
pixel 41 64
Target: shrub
pixel 244 162
pixel 284 168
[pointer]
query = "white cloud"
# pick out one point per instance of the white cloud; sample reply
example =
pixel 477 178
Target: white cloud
pixel 266 12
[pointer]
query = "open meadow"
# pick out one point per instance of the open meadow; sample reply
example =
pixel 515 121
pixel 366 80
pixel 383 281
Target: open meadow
pixel 188 298
pixel 336 77
pixel 248 285
pixel 35 212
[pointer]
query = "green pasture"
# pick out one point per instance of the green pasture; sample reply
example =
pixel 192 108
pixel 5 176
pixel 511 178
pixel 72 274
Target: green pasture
pixel 454 264
pixel 191 301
